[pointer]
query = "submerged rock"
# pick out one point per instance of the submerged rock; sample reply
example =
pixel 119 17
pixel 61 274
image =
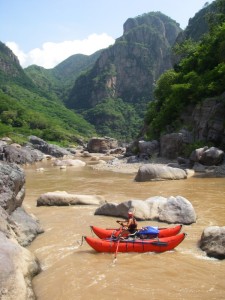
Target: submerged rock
pixel 69 162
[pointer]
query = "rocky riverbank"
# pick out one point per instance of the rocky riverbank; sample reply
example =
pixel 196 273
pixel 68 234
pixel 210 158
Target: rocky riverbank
pixel 122 165
pixel 17 229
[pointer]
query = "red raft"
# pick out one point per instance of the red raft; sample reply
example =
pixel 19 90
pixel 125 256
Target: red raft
pixel 161 232
pixel 135 245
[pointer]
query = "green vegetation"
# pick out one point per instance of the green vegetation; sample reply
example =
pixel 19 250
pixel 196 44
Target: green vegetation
pixel 113 117
pixel 26 113
pixel 200 74
pixel 31 105
pixel 56 83
pixel 189 148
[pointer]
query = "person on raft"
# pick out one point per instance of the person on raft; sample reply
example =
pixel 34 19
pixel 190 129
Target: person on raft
pixel 129 226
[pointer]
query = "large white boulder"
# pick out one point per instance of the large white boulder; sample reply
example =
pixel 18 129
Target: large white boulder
pixel 170 210
pixel 62 198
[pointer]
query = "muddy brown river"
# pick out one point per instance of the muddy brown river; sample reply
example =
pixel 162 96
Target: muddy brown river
pixel 74 272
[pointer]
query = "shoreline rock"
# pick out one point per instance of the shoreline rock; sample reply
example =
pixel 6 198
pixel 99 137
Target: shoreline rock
pixel 122 165
pixel 17 229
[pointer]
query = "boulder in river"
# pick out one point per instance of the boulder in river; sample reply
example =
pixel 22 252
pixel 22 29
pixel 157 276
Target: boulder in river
pixel 69 162
pixel 213 241
pixel 170 210
pixel 62 198
pixel 151 172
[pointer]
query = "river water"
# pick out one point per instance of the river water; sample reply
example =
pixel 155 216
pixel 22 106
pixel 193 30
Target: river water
pixel 71 271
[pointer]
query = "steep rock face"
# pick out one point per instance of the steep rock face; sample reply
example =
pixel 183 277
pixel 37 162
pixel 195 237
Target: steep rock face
pixel 158 21
pixel 17 228
pixel 10 68
pixel 205 122
pixel 202 20
pixel 128 69
pixel 208 120
pixel 12 186
pixel 9 65
pixel 198 26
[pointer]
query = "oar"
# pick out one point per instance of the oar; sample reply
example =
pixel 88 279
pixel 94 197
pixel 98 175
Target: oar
pixel 112 228
pixel 117 232
pixel 117 247
pixel 82 241
pixel 92 233
pixel 157 243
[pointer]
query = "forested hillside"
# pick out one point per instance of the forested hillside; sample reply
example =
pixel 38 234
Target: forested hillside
pixel 26 108
pixel 194 86
pixel 58 81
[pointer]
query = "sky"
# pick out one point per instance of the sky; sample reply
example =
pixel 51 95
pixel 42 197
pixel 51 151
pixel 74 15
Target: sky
pixel 46 32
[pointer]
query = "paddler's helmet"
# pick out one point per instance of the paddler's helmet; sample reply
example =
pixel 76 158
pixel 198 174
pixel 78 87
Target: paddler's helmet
pixel 130 214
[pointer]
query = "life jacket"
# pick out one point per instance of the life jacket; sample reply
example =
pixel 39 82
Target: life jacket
pixel 133 226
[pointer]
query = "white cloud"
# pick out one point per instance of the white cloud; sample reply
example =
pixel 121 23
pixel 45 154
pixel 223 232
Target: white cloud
pixel 51 54
pixel 16 50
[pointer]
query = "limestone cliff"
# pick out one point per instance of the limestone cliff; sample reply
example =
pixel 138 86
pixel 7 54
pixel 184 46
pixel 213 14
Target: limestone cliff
pixel 10 69
pixel 128 69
